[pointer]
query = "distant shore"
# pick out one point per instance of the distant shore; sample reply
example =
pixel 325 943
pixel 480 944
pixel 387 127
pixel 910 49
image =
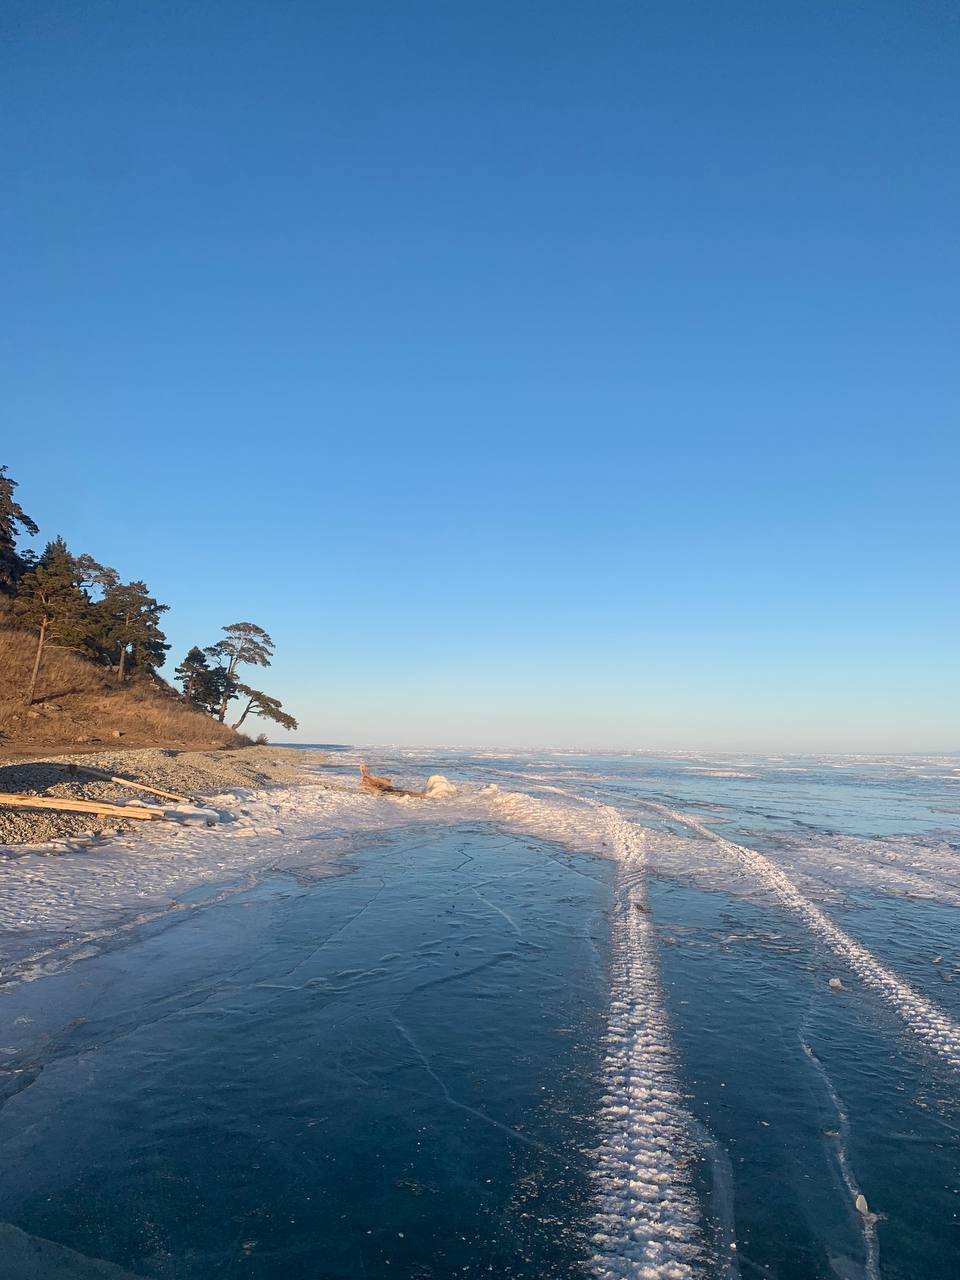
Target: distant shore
pixel 190 772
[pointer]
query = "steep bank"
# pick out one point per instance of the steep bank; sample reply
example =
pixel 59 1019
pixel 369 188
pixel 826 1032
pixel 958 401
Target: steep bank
pixel 80 707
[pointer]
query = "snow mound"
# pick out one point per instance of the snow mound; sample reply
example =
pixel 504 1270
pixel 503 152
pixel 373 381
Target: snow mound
pixel 439 788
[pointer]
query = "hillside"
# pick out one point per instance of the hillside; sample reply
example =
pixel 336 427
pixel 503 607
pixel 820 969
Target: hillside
pixel 79 706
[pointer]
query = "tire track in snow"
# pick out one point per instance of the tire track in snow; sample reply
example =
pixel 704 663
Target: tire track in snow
pixel 648 1220
pixel 923 1017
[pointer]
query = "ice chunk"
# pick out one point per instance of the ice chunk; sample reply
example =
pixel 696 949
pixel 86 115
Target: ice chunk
pixel 438 787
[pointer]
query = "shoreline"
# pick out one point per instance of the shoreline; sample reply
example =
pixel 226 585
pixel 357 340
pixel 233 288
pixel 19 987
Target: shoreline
pixel 200 772
pixel 255 813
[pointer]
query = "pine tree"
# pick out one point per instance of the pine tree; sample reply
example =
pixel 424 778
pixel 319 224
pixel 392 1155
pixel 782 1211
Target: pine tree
pixel 130 625
pixel 191 672
pixel 13 521
pixel 245 643
pixel 261 704
pixel 99 638
pixel 50 598
pixel 202 684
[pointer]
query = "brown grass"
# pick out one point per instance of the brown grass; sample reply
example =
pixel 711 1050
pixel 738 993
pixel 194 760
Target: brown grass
pixel 79 704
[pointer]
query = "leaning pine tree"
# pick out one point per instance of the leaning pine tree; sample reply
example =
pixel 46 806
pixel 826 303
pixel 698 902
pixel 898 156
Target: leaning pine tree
pixel 261 704
pixel 209 676
pixel 244 644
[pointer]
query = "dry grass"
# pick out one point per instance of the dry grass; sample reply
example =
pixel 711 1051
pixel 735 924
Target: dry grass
pixel 80 704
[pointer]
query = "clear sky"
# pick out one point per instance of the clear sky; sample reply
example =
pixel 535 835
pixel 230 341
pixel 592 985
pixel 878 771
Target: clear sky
pixel 536 373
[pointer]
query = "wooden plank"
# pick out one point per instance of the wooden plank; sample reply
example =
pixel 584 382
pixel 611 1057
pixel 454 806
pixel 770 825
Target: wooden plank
pixel 128 782
pixel 16 801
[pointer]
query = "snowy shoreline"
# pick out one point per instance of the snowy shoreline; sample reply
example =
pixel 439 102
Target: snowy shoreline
pixel 192 773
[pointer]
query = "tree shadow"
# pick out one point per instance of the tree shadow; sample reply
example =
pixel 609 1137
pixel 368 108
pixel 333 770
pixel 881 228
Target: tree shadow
pixel 34 775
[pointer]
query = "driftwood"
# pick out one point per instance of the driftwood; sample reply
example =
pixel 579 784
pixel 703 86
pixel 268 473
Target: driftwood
pixel 128 782
pixel 383 786
pixel 370 782
pixel 15 800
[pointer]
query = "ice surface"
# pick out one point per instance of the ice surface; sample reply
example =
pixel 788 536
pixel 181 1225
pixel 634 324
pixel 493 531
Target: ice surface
pixel 59 905
pixel 56 902
pixel 27 1257
pixel 922 1017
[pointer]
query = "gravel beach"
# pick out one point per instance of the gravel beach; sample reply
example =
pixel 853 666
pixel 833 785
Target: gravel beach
pixel 190 773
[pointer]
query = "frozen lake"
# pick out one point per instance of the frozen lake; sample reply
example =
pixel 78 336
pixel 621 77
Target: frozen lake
pixel 576 1020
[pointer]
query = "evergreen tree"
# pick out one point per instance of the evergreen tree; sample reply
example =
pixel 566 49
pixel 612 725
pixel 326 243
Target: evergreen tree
pixel 244 643
pixel 13 521
pixel 191 671
pixel 203 684
pixel 261 704
pixel 50 598
pixel 96 574
pixel 99 637
pixel 129 620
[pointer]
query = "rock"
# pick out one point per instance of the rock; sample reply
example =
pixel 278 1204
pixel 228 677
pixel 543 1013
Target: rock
pixel 861 1205
pixel 836 984
pixel 117 733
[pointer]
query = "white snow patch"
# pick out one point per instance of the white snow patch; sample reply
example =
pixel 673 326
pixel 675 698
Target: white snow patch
pixel 439 788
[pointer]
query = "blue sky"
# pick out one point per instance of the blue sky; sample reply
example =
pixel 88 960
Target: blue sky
pixel 572 374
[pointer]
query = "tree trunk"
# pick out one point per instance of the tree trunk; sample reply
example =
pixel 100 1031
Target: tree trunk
pixel 245 714
pixel 41 639
pixel 122 663
pixel 231 669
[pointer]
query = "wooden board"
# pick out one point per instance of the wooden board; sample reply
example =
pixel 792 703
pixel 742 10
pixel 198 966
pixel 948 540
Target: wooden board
pixel 128 782
pixel 14 800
